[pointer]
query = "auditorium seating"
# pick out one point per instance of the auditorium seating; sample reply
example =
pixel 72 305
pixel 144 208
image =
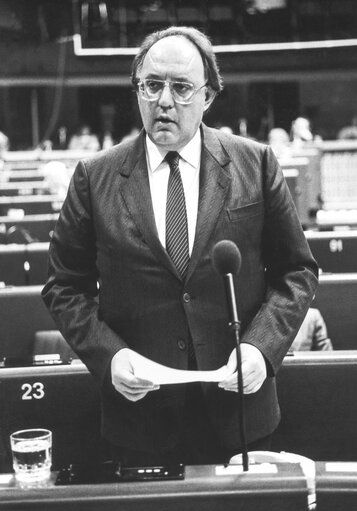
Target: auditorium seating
pixel 338 174
pixel 306 190
pixel 22 264
pixel 22 314
pixel 30 204
pixel 64 399
pixel 34 160
pixel 334 251
pixel 316 393
pixel 20 176
pixel 319 409
pixel 39 227
pixel 23 188
pixel 336 298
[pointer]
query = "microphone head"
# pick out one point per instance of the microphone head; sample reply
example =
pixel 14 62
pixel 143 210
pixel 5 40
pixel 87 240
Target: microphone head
pixel 226 257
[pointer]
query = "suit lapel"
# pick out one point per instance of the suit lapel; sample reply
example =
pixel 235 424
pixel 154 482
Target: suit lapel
pixel 214 185
pixel 135 191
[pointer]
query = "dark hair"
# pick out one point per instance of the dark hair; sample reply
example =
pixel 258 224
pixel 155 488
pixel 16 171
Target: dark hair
pixel 198 38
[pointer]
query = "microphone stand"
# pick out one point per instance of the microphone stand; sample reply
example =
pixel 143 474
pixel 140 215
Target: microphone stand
pixel 234 324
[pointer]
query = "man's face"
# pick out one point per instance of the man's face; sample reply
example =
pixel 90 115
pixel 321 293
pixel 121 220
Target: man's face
pixel 172 125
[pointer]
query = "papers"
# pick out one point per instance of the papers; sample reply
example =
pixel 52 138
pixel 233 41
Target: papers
pixel 261 468
pixel 346 466
pixel 162 375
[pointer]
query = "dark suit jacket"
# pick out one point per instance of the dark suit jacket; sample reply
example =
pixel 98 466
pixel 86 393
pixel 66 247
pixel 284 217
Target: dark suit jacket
pixel 106 239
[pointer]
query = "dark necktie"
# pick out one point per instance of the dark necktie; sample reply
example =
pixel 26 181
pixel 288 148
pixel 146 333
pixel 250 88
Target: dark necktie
pixel 176 217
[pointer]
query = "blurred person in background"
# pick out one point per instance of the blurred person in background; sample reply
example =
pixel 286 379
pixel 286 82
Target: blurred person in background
pixel 312 335
pixel 84 140
pixel 301 133
pixel 4 146
pixel 349 132
pixel 279 141
pixel 4 142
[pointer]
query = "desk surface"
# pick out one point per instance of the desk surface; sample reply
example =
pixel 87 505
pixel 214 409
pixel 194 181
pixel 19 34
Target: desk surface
pixel 202 489
pixel 336 489
pixel 336 486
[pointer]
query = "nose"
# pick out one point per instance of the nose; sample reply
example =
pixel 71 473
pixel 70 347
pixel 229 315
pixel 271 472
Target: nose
pixel 166 100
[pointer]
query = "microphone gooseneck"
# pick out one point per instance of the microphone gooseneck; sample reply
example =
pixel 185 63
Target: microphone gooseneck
pixel 227 261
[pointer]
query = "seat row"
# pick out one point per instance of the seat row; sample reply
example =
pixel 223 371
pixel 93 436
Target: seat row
pixel 316 393
pixel 25 319
pixel 25 243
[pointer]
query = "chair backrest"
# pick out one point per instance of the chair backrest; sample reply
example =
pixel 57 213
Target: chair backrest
pixel 23 264
pixel 318 404
pixel 22 314
pixel 40 227
pixel 336 298
pixel 52 342
pixel 334 251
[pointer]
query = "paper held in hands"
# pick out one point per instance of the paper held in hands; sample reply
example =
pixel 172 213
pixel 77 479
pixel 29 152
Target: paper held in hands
pixel 162 375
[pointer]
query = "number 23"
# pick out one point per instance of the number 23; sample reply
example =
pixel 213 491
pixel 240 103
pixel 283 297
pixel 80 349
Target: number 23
pixel 34 391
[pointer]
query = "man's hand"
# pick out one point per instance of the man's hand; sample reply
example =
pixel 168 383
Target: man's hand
pixel 254 370
pixel 124 380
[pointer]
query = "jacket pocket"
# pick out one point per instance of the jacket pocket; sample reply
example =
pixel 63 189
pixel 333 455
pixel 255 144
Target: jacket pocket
pixel 244 212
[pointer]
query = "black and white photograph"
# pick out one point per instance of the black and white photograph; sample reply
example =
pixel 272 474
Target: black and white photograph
pixel 178 255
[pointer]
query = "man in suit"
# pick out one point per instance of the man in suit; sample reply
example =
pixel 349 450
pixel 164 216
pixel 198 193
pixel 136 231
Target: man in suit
pixel 116 286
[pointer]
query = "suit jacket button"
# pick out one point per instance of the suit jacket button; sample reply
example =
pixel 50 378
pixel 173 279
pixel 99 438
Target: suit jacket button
pixel 181 344
pixel 186 297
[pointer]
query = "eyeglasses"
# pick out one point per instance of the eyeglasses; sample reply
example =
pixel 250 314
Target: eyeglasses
pixel 182 92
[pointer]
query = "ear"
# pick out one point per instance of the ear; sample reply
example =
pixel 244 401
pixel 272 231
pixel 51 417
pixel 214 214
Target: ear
pixel 210 95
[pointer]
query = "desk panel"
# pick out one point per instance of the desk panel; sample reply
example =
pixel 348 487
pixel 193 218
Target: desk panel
pixel 334 251
pixel 39 227
pixel 317 395
pixel 201 490
pixel 64 399
pixel 336 486
pixel 336 297
pixel 31 205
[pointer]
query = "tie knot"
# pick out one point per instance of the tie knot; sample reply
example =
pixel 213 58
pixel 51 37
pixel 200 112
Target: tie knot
pixel 172 159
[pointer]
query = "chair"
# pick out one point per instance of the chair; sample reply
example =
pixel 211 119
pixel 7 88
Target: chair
pixel 48 342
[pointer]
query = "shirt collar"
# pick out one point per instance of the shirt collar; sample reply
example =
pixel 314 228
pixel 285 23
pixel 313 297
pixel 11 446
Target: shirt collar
pixel 190 153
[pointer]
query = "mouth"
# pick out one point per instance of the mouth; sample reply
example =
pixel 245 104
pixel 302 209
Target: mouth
pixel 164 120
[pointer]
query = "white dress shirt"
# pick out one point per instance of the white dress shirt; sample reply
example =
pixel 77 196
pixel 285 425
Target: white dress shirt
pixel 159 171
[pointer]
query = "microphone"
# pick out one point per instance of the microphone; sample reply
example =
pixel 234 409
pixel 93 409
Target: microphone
pixel 227 261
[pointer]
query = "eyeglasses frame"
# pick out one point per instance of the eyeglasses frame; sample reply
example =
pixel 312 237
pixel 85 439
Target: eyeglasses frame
pixel 168 83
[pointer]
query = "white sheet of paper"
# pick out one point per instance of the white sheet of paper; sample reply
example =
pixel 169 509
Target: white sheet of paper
pixel 163 375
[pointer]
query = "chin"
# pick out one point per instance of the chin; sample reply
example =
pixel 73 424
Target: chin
pixel 166 140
